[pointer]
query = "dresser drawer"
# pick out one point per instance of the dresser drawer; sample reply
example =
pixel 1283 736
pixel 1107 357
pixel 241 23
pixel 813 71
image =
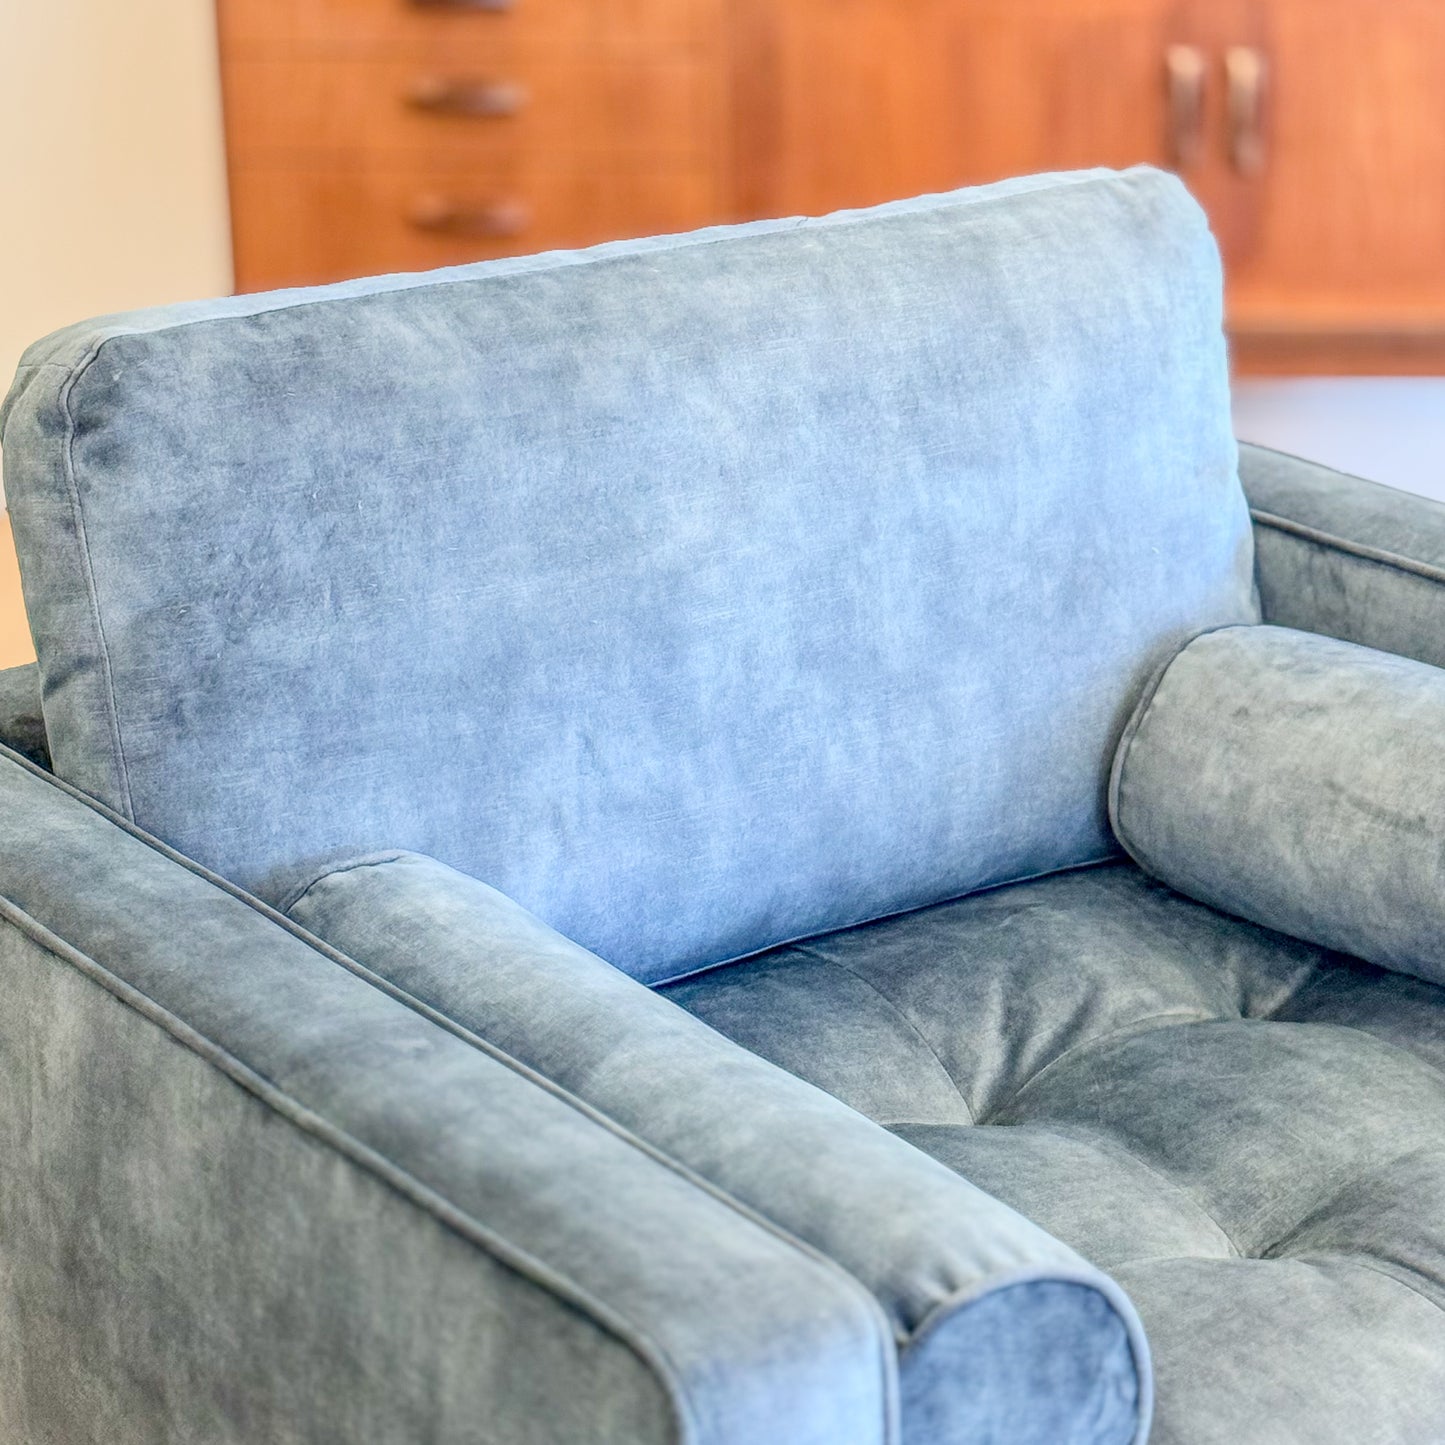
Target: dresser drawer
pixel 461 29
pixel 407 110
pixel 325 217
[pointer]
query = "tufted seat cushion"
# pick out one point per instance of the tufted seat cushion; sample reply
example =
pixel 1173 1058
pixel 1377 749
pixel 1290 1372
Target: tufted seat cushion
pixel 1247 1131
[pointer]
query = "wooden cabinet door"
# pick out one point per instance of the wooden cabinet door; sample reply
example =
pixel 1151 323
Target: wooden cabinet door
pixel 852 102
pixel 1346 269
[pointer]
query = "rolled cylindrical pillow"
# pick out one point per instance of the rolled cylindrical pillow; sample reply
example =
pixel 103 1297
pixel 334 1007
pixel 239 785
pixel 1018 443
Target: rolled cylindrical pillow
pixel 1298 782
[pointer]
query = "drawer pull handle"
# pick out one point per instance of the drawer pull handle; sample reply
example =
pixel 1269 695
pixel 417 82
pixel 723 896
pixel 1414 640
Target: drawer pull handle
pixel 441 95
pixel 1186 70
pixel 443 215
pixel 461 4
pixel 1244 71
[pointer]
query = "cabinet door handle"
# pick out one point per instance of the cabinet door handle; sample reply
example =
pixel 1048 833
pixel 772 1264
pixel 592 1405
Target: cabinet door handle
pixel 444 95
pixel 444 215
pixel 1185 68
pixel 1245 72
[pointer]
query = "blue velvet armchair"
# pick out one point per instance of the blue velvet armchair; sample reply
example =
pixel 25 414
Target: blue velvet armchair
pixel 745 839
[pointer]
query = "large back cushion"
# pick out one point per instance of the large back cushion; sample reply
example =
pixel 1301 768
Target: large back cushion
pixel 698 593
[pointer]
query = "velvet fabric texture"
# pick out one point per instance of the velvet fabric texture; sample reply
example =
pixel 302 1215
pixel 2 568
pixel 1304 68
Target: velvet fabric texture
pixel 1347 557
pixel 1247 1131
pixel 1003 1334
pixel 692 592
pixel 703 595
pixel 248 1195
pixel 1295 780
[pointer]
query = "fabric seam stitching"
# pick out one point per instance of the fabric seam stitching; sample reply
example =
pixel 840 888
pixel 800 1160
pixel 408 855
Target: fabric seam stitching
pixel 1142 709
pixel 1103 1285
pixel 1149 1025
pixel 809 951
pixel 296 895
pixel 1297 463
pixel 802 939
pixel 88 572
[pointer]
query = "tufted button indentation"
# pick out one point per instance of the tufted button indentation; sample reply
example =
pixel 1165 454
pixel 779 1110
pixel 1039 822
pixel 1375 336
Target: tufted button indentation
pixel 993 989
pixel 1390 1219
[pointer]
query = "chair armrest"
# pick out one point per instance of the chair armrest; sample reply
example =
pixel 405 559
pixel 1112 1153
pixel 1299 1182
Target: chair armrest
pixel 249 1196
pixel 22 726
pixel 984 1303
pixel 1346 557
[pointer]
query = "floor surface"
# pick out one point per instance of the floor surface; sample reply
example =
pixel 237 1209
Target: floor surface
pixel 1390 429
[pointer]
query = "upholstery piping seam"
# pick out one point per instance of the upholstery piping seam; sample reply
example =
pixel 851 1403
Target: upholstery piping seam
pixel 1142 708
pixel 1087 1278
pixel 1361 550
pixel 1297 462
pixel 108 700
pixel 289 900
pixel 885 1335
pixel 461 1222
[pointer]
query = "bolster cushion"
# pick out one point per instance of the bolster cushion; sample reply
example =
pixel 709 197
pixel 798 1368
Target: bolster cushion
pixel 1296 781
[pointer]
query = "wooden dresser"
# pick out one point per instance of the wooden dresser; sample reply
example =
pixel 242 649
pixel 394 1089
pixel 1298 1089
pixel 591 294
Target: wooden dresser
pixel 376 135
pixel 385 135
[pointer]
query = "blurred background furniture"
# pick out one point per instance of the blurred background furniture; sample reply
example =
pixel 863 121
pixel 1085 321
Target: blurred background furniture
pixel 379 135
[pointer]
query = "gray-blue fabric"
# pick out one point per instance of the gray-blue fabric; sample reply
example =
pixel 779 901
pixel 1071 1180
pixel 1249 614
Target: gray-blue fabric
pixel 250 1197
pixel 1295 780
pixel 1003 1333
pixel 699 594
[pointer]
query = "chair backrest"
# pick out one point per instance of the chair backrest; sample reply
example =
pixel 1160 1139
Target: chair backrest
pixel 699 593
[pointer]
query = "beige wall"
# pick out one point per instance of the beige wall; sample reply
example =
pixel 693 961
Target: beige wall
pixel 112 192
